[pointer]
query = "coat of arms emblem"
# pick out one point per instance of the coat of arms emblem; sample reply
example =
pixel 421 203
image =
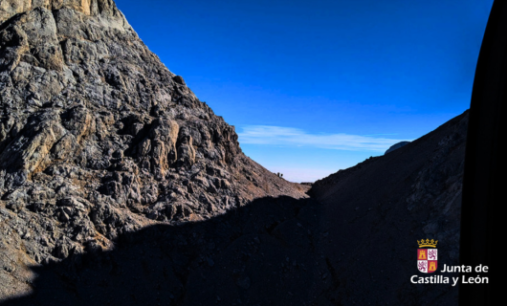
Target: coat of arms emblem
pixel 427 256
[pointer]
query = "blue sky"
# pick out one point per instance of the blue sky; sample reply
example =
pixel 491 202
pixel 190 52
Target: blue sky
pixel 317 86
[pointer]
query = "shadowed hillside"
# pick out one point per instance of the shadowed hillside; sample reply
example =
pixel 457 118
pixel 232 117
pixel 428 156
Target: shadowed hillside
pixel 379 208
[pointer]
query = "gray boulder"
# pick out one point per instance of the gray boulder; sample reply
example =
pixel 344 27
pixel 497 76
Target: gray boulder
pixel 397 146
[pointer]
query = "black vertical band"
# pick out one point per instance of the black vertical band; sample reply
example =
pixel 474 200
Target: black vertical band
pixel 482 206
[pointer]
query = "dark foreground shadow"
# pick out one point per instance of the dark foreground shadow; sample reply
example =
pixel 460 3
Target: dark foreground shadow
pixel 261 254
pixel 274 251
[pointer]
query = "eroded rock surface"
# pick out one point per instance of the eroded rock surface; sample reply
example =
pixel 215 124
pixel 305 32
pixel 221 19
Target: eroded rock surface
pixel 99 138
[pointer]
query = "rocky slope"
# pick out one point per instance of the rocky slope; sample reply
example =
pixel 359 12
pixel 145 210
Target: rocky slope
pixel 98 138
pixel 353 243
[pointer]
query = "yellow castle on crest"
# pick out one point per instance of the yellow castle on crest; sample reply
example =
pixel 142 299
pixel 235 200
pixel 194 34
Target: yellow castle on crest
pixel 427 243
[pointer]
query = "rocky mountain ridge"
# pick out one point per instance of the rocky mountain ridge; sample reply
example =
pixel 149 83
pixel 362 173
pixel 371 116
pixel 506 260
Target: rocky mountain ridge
pixel 99 138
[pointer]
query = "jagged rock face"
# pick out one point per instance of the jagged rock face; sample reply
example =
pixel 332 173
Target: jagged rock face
pixel 98 138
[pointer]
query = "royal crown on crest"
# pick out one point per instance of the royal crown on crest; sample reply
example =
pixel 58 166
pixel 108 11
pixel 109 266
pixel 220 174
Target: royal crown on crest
pixel 427 243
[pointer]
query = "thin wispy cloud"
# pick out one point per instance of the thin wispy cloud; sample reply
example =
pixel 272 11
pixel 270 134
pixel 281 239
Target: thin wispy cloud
pixel 287 136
